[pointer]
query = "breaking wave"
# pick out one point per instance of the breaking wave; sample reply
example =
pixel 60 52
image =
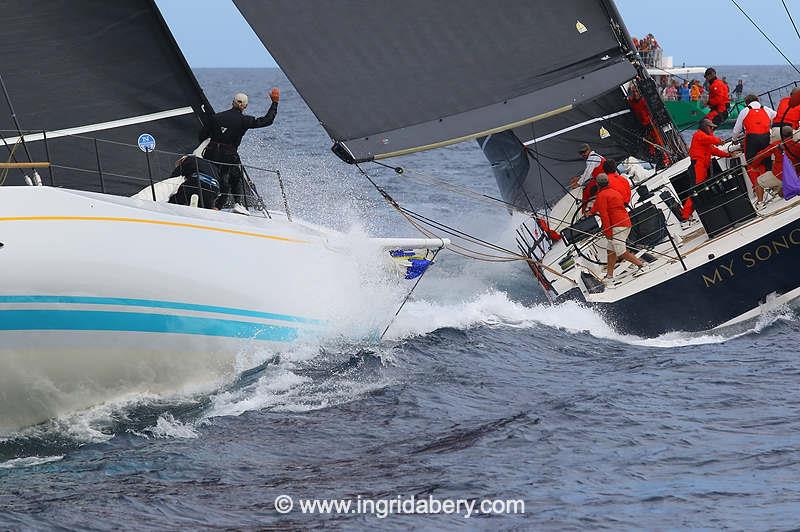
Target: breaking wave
pixel 496 309
pixel 325 372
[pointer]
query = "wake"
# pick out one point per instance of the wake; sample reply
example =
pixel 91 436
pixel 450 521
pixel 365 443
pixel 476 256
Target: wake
pixel 496 309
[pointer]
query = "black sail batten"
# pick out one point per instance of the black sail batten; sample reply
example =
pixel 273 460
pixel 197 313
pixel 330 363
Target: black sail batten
pixel 97 69
pixel 533 164
pixel 471 68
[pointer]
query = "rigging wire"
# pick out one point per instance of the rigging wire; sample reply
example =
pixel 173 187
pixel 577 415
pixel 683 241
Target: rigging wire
pixel 765 35
pixel 791 18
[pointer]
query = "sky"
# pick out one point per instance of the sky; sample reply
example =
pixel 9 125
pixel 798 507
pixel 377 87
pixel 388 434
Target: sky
pixel 212 33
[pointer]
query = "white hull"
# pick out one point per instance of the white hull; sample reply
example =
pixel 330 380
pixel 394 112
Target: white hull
pixel 102 296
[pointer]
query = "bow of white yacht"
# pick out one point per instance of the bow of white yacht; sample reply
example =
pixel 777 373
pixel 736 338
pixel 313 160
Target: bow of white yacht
pixel 103 295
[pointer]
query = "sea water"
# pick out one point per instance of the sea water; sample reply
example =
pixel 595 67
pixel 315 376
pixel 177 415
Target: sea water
pixel 480 391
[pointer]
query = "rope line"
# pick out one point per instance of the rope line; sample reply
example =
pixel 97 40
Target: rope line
pixel 765 35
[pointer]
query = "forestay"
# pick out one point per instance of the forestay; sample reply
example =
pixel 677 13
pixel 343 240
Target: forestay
pixel 387 78
pixel 95 69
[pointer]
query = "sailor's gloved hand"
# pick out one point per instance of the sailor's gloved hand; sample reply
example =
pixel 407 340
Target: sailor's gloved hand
pixel 275 94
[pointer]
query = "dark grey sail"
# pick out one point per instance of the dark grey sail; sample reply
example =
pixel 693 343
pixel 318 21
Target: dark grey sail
pixel 95 69
pixel 609 123
pixel 387 78
pixel 549 149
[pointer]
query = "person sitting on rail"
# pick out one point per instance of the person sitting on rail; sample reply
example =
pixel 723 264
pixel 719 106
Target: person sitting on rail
pixel 787 113
pixel 718 97
pixel 703 146
pixel 594 166
pixel 200 179
pixel 754 122
pixel 773 179
pixel 616 224
pixel 617 181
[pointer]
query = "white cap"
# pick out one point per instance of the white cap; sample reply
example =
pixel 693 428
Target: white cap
pixel 240 98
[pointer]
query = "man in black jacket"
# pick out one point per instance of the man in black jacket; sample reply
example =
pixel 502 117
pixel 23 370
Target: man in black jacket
pixel 226 134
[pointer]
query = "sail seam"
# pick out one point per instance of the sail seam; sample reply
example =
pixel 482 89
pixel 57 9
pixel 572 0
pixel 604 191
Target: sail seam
pixel 32 137
pixel 575 126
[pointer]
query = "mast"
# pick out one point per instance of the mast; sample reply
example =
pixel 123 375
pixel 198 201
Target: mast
pixel 673 140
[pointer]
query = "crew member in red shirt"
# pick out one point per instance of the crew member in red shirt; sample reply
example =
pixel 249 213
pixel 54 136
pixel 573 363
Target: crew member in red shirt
pixel 787 113
pixel 718 97
pixel 616 224
pixel 773 179
pixel 617 181
pixel 703 146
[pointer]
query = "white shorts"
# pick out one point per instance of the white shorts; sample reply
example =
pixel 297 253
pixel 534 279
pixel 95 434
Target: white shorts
pixel 768 180
pixel 618 244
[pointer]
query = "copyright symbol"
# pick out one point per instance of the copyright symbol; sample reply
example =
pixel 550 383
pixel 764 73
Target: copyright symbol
pixel 283 504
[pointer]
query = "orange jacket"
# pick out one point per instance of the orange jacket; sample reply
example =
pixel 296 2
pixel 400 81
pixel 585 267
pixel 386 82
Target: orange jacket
pixel 788 112
pixel 790 147
pixel 703 146
pixel 621 185
pixel 611 208
pixel 718 96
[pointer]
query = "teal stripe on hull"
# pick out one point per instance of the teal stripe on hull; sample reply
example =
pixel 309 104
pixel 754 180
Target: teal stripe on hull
pixel 92 320
pixel 127 302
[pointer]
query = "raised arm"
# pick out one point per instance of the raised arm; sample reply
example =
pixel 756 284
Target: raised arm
pixel 252 122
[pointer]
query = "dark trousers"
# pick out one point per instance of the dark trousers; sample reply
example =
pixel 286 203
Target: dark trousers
pixel 231 180
pixel 754 143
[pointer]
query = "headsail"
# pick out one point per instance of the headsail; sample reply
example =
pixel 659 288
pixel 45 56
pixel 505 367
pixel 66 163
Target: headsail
pixel 387 78
pixel 95 69
pixel 534 163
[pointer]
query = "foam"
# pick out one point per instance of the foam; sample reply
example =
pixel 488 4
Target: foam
pixel 168 427
pixel 29 461
pixel 496 309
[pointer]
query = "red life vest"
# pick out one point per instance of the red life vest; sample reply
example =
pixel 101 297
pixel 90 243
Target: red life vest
pixel 787 115
pixel 756 122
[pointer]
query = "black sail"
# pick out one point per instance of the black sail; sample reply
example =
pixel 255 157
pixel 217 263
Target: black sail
pixel 80 70
pixel 386 77
pixel 549 149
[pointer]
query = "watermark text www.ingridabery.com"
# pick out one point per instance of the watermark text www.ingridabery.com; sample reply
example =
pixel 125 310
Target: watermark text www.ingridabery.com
pixel 400 505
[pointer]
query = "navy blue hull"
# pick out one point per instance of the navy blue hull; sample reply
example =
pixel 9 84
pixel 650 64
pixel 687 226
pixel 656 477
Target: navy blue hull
pixel 708 296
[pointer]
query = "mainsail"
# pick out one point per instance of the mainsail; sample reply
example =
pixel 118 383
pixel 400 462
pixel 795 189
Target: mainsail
pixel 95 69
pixel 386 78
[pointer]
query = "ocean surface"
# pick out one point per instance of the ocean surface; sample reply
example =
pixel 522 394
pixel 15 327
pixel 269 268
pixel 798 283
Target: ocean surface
pixel 481 391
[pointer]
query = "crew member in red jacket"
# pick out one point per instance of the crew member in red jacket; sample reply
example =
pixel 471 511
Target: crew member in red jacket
pixel 616 224
pixel 718 97
pixel 641 112
pixel 787 113
pixel 703 146
pixel 617 181
pixel 773 179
